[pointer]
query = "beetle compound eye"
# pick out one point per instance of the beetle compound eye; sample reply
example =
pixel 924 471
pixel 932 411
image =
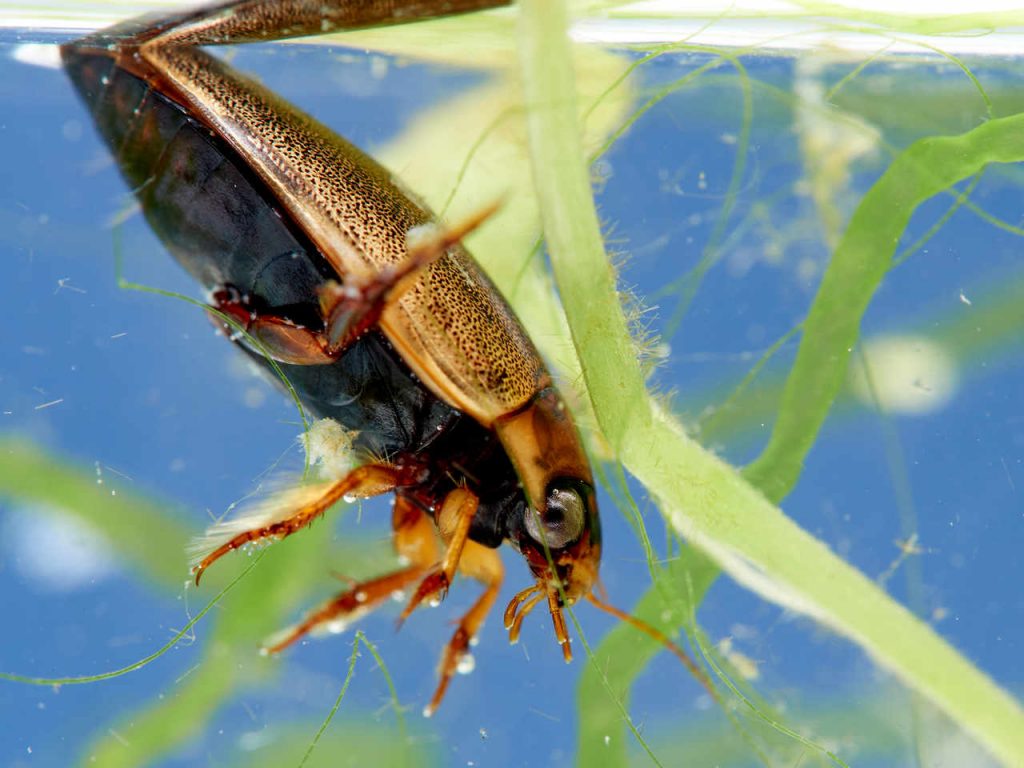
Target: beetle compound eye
pixel 562 521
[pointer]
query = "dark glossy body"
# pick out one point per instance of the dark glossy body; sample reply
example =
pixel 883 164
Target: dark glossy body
pixel 224 226
pixel 379 318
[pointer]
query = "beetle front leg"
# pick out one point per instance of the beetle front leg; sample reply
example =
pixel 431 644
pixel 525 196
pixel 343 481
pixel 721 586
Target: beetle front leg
pixel 484 565
pixel 453 522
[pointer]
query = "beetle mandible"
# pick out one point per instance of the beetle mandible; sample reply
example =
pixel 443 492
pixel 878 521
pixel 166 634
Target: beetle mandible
pixel 306 242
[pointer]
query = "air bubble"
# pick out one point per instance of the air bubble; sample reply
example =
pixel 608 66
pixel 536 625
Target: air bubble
pixel 350 498
pixel 466 664
pixel 336 627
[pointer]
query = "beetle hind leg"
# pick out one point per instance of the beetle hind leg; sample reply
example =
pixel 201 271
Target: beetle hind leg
pixel 348 310
pixel 288 512
pixel 282 339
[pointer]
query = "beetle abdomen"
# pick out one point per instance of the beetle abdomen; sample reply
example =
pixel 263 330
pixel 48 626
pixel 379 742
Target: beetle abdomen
pixel 369 390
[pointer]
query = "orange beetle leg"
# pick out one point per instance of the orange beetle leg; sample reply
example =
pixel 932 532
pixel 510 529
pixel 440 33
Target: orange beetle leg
pixel 365 481
pixel 484 565
pixel 414 540
pixel 453 522
pixel 352 308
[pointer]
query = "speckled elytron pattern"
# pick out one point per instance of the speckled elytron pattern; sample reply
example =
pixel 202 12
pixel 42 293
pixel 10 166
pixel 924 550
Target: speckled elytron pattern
pixel 452 327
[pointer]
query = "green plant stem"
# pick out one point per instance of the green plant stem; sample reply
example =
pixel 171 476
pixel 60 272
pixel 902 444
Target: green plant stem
pixel 555 143
pixel 704 499
pixel 863 257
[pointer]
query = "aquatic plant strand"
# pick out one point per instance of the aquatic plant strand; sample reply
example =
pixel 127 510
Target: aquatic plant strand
pixel 706 500
pixel 137 665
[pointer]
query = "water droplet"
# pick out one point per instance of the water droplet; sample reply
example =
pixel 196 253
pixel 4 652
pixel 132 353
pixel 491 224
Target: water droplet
pixel 361 596
pixel 466 664
pixel 336 627
pixel 349 498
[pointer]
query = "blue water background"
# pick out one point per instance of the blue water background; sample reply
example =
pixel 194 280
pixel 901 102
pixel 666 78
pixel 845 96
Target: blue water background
pixel 148 390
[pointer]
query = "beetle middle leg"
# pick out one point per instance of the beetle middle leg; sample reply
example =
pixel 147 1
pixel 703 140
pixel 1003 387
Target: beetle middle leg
pixel 349 309
pixel 415 542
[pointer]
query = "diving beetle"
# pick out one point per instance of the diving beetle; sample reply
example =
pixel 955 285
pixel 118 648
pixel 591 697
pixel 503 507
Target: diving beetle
pixel 378 317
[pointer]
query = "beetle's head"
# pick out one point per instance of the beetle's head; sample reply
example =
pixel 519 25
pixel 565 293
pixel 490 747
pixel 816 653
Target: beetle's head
pixel 562 541
pixel 557 529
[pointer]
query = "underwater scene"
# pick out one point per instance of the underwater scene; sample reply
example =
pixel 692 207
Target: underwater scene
pixel 790 326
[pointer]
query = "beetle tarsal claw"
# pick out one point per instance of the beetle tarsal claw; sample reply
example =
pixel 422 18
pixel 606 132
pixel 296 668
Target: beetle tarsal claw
pixel 517 622
pixel 509 616
pixel 561 632
pixel 434 585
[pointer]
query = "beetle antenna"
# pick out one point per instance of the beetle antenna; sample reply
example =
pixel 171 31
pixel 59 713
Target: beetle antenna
pixel 662 638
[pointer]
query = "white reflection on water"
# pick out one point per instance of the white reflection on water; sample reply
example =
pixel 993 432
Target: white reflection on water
pixel 54 551
pixel 907 374
pixel 37 55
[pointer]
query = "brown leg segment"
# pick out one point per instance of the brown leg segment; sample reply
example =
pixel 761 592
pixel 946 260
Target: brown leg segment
pixel 349 309
pixel 282 339
pixel 414 540
pixel 362 482
pixel 483 564
pixel 354 307
pixel 561 632
pixel 453 523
